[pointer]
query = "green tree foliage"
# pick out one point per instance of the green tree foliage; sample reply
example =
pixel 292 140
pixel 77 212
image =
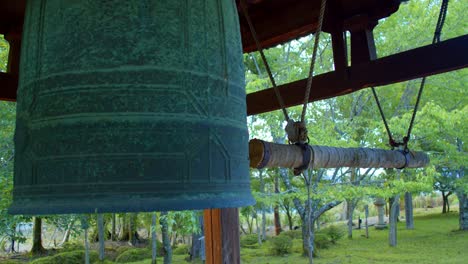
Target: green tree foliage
pixel 8 223
pixel 353 120
pixel 4 48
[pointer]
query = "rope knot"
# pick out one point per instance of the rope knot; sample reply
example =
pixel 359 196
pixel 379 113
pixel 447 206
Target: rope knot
pixel 297 132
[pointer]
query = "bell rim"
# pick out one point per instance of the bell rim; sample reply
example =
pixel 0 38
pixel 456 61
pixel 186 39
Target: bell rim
pixel 110 205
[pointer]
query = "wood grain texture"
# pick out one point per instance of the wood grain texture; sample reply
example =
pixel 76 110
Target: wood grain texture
pixel 222 236
pixel 291 156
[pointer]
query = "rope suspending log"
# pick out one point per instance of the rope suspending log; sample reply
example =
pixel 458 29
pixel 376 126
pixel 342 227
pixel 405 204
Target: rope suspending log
pixel 271 155
pixel 265 62
pixel 436 39
pixel 297 131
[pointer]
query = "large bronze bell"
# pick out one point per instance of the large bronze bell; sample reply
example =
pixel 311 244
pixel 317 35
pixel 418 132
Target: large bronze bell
pixel 135 105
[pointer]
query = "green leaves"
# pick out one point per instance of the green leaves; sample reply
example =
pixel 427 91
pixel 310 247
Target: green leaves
pixel 4 48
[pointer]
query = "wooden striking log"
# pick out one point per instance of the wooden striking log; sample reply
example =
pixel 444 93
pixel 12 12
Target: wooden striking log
pixel 269 155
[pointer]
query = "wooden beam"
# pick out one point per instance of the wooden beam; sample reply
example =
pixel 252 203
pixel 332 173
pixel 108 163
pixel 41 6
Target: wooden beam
pixel 340 57
pixel 8 86
pixel 448 55
pixel 9 80
pixel 222 244
pixel 14 40
pixel 279 21
pixel 272 155
pixel 362 46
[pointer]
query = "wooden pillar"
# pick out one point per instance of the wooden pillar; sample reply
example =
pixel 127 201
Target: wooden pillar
pixel 340 57
pixel 9 80
pixel 222 244
pixel 14 40
pixel 362 40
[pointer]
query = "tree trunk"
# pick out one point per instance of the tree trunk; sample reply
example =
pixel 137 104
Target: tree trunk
pixel 259 234
pixel 133 234
pixel 37 247
pixel 249 224
pixel 263 224
pixel 86 246
pixel 290 221
pixel 124 235
pixel 243 229
pixel 350 213
pixel 305 239
pixel 409 210
pixel 393 221
pixel 366 208
pixel 463 202
pixel 308 232
pixel 196 242
pixel 262 190
pixel 100 225
pixel 153 239
pixel 12 248
pixel 278 228
pixel 166 240
pixel 66 236
pixel 291 156
pixel 308 236
pixel 346 211
pixel 113 227
pixel 444 202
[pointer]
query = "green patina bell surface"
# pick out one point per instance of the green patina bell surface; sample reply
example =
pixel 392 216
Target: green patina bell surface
pixel 135 105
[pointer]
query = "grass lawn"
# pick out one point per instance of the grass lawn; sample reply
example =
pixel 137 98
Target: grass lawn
pixel 432 241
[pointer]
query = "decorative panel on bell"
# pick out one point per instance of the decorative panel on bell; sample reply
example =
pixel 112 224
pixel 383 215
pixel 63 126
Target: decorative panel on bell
pixel 135 105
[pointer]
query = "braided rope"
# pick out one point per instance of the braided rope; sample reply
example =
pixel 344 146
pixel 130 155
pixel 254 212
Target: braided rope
pixel 312 61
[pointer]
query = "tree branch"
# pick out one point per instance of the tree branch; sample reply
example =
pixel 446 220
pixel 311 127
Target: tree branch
pixel 325 208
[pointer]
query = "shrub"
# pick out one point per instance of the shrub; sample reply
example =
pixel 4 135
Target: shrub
pixel 72 257
pixel 181 249
pixel 249 241
pixel 133 255
pixel 297 246
pixel 293 234
pixel 281 245
pixel 72 246
pixel 122 249
pixel 334 232
pixel 322 241
pixel 159 248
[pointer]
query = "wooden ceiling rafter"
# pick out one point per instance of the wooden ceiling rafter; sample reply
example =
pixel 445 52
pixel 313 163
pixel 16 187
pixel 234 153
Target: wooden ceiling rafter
pixel 280 21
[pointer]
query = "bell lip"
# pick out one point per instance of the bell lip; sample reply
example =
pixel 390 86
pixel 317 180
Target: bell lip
pixel 96 205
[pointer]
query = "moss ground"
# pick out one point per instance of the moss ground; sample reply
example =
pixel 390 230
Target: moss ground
pixel 434 240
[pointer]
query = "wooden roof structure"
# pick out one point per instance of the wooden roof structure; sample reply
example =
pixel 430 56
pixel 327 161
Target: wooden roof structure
pixel 280 21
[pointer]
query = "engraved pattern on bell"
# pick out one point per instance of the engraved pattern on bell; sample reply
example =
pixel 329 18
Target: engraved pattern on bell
pixel 130 106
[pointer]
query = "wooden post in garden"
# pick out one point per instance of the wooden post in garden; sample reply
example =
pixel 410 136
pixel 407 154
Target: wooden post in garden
pixel 366 208
pixel 222 243
pixel 393 219
pixel 409 210
pixel 113 238
pixel 153 239
pixel 85 226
